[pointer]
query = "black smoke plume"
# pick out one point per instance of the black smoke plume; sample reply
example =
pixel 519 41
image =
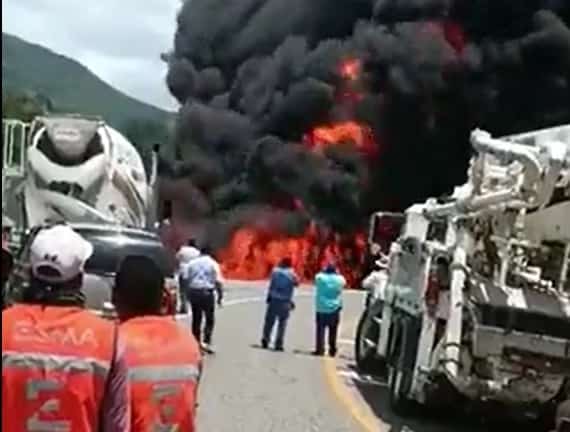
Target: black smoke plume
pixel 253 76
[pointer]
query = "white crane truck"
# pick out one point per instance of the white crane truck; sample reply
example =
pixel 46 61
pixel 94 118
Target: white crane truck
pixel 470 298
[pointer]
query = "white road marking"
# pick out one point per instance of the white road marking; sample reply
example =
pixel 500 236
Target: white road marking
pixel 355 376
pixel 246 300
pixel 243 301
pixel 346 341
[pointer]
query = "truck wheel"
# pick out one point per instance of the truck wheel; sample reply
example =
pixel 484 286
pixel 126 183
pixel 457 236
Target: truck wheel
pixel 399 378
pixel 367 336
pixel 563 417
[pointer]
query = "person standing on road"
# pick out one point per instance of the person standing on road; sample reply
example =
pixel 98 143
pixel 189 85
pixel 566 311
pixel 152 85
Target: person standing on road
pixel 185 254
pixel 279 303
pixel 204 281
pixel 329 286
pixel 164 360
pixel 63 368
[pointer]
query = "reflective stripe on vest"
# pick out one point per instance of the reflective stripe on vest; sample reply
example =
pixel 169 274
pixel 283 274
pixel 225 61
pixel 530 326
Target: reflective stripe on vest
pixel 158 374
pixel 56 363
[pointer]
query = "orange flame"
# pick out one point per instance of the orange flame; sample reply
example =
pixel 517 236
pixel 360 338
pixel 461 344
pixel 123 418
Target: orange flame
pixel 252 253
pixel 345 132
pixel 350 69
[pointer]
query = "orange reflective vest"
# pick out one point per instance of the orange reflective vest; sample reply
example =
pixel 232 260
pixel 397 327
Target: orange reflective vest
pixel 55 363
pixel 164 369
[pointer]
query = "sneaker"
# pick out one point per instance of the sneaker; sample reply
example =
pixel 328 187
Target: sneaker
pixel 332 353
pixel 279 348
pixel 318 353
pixel 264 344
pixel 207 348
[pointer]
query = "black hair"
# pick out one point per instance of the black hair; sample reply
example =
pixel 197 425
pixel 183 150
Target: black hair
pixel 192 242
pixel 286 262
pixel 67 293
pixel 138 286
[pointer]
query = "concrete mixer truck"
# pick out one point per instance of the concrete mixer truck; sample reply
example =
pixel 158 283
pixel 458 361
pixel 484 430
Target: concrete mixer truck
pixel 80 171
pixel 74 168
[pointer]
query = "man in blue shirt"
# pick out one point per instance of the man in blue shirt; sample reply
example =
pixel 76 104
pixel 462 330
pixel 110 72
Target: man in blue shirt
pixel 279 302
pixel 329 285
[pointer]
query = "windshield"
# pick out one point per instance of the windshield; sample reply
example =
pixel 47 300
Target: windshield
pixel 111 247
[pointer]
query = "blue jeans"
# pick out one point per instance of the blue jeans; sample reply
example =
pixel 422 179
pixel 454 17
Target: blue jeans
pixel 277 310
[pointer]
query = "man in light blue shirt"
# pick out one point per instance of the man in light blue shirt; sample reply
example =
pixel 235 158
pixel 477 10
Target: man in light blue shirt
pixel 329 285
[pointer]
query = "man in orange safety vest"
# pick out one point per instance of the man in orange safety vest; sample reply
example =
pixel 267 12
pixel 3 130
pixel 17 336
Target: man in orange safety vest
pixel 163 357
pixel 62 367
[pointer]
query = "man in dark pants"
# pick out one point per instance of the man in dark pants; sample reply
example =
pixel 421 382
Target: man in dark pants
pixel 329 285
pixel 279 302
pixel 204 280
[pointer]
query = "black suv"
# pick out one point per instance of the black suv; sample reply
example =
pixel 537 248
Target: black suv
pixel 110 244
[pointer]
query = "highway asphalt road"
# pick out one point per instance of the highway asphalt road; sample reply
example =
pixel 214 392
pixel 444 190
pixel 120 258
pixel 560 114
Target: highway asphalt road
pixel 248 389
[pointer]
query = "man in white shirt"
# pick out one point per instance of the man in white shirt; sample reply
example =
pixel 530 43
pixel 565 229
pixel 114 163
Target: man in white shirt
pixel 184 255
pixel 203 281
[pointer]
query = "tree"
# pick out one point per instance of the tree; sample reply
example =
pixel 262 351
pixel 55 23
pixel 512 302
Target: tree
pixel 25 106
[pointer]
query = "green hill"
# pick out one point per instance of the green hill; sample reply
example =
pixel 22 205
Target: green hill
pixel 68 85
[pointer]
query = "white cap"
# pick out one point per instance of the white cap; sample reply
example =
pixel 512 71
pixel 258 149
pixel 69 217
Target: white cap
pixel 61 249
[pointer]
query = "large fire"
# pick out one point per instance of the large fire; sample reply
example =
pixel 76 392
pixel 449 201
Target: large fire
pixel 253 252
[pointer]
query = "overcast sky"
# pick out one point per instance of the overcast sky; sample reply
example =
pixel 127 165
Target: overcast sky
pixel 119 40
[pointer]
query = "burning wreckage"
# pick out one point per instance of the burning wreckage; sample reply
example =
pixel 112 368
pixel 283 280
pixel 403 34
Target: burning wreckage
pixel 298 119
pixel 472 299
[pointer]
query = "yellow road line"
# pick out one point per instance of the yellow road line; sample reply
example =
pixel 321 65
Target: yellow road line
pixel 366 421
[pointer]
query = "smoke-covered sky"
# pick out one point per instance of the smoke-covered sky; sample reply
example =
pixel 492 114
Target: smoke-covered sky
pixel 255 75
pixel 120 41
